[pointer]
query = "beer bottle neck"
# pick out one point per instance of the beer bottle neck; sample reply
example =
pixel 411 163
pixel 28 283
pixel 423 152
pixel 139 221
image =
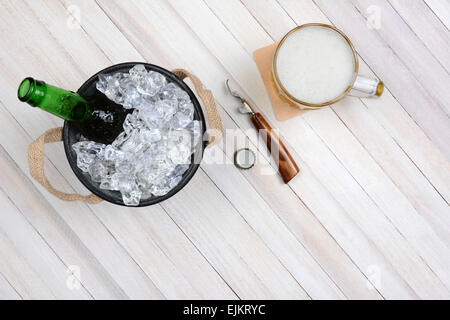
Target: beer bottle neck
pixel 62 103
pixel 32 91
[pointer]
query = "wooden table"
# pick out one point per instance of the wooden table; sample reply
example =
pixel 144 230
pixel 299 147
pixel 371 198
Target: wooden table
pixel 367 217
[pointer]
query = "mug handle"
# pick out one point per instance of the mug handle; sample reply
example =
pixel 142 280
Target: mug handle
pixel 367 87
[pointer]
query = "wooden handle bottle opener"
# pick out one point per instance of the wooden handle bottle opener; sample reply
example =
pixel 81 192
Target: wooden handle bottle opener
pixel 286 164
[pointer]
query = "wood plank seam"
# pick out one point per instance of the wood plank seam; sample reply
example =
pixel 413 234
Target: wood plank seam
pixel 10 284
pixel 435 13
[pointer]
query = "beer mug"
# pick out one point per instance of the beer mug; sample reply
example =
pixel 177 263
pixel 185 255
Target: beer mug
pixel 316 65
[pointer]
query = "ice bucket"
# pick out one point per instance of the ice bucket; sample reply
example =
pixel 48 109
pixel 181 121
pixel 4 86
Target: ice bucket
pixel 70 135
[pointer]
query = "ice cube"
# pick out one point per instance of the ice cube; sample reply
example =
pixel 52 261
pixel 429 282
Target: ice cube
pixel 186 107
pixel 138 71
pixel 90 147
pixel 181 120
pixel 174 181
pixel 153 152
pixel 166 109
pixel 152 83
pixel 131 95
pixel 168 91
pixel 181 95
pixel 113 88
pixel 195 130
pixel 126 183
pixel 125 167
pixel 132 121
pixel 180 153
pixel 149 135
pixel 97 171
pixel 102 83
pixel 133 144
pixel 150 117
pixel 84 161
pixel 159 190
pixel 108 183
pixel 132 198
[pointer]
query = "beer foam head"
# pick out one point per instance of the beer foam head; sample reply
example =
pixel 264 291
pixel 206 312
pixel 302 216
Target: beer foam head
pixel 315 64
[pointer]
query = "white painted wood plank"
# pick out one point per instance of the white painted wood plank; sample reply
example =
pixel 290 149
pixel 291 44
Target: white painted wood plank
pixel 393 118
pixel 166 279
pixel 102 31
pixel 407 177
pixel 220 232
pixel 395 163
pixel 422 194
pixel 145 38
pixel 137 257
pixel 46 221
pixel 159 10
pixel 385 194
pixel 427 26
pixel 183 254
pixel 116 263
pixel 441 9
pixel 287 282
pixel 7 292
pixel 201 275
pixel 411 50
pixel 295 215
pixel 274 27
pixel 267 224
pixel 18 272
pixel 24 250
pixel 232 57
pixel 151 259
pixel 167 275
pixel 331 215
pixel 155 247
pixel 104 246
pixel 404 131
pixel 397 75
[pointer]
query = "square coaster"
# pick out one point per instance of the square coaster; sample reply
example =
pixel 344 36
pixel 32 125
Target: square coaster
pixel 282 107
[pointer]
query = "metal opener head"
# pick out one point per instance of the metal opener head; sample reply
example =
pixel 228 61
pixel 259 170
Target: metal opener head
pixel 244 107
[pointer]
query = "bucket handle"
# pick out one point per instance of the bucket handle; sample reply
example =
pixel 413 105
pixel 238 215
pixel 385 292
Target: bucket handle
pixel 36 148
pixel 36 164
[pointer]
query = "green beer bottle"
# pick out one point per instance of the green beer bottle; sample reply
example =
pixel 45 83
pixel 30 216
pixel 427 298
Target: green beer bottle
pixel 62 103
pixel 96 118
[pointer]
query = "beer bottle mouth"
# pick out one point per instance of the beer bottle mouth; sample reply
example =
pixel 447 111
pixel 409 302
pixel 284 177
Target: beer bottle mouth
pixel 25 89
